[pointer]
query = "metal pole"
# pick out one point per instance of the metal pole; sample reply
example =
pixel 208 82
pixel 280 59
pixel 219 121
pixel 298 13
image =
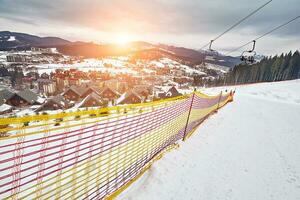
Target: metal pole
pixel 188 118
pixel 219 100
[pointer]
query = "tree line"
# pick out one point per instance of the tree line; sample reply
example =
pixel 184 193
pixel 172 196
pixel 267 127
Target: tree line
pixel 276 68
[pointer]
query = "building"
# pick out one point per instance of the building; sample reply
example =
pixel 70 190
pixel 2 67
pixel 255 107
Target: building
pixel 45 76
pixel 89 90
pixel 46 86
pixel 16 58
pixel 108 93
pixel 116 85
pixel 54 103
pixel 143 90
pixel 130 97
pixel 73 81
pixel 173 92
pixel 24 98
pixel 61 83
pixel 74 93
pixel 92 100
pixel 161 95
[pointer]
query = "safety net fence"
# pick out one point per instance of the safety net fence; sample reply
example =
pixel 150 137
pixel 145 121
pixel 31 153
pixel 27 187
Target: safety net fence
pixel 93 154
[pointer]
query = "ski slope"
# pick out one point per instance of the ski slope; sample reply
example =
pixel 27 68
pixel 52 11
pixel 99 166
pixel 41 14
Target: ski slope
pixel 249 150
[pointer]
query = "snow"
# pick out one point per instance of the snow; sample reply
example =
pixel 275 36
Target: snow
pixel 27 111
pixel 172 64
pixel 248 150
pixel 157 64
pixel 121 98
pixel 216 67
pixel 40 100
pixel 11 38
pixel 5 107
pixel 117 66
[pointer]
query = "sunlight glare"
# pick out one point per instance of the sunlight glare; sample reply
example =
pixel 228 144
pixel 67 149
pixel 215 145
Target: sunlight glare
pixel 123 39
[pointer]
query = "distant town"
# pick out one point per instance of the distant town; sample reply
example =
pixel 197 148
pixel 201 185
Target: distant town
pixel 43 80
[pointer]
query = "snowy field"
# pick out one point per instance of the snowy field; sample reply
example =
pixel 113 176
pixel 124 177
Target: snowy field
pixel 249 150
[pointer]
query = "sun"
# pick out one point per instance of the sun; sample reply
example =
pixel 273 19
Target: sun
pixel 123 39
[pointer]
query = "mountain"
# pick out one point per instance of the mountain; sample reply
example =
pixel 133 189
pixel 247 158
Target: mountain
pixel 14 40
pixel 216 58
pixel 19 41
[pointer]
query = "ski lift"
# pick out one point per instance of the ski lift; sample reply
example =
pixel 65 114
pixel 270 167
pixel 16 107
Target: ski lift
pixel 213 52
pixel 248 57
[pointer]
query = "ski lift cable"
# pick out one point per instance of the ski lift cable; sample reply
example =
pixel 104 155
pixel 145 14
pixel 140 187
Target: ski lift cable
pixel 236 24
pixel 263 35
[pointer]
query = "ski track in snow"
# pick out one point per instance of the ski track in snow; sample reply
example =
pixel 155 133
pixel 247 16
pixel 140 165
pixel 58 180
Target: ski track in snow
pixel 249 150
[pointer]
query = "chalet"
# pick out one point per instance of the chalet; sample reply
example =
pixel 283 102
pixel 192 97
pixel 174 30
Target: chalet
pixel 129 97
pixel 143 90
pixel 24 98
pixel 74 93
pixel 89 90
pixel 173 92
pixel 110 94
pixel 162 95
pixel 54 103
pixel 5 95
pixel 92 100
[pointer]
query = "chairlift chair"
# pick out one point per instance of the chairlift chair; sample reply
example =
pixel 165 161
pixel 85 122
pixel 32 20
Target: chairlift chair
pixel 248 57
pixel 213 52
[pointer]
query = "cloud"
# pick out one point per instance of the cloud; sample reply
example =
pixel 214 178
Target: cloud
pixel 158 18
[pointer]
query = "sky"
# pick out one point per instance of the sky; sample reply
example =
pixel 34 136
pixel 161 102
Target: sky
pixel 187 23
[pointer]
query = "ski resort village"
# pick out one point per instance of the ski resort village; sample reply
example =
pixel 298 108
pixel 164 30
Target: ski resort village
pixel 150 100
pixel 41 80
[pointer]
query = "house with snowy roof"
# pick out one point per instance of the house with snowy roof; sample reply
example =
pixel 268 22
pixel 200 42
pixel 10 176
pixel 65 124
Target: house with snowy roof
pixel 24 98
pixel 173 92
pixel 54 103
pixel 129 97
pixel 92 100
pixel 74 93
pixel 143 90
pixel 89 89
pixel 109 94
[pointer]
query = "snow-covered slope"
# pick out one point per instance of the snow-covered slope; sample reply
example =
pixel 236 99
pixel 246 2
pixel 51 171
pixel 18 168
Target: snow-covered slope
pixel 248 150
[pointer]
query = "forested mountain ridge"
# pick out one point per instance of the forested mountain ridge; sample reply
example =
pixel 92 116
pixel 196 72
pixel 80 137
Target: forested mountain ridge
pixel 277 68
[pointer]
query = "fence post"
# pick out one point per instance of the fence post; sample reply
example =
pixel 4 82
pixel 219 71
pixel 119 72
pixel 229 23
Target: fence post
pixel 188 118
pixel 219 100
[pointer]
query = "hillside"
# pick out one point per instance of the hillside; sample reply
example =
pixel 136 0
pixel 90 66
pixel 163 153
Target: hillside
pixel 12 40
pixel 249 150
pixel 20 41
